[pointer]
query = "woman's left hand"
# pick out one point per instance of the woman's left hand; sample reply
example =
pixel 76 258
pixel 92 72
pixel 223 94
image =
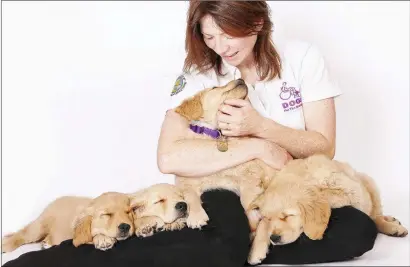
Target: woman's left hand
pixel 237 117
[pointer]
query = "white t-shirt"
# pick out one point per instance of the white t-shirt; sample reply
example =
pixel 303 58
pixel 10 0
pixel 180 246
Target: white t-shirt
pixel 305 78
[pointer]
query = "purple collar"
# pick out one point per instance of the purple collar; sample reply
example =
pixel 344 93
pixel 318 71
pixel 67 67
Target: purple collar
pixel 204 130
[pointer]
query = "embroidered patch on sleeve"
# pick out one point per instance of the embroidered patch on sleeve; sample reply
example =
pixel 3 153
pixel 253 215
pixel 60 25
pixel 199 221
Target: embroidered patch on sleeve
pixel 179 85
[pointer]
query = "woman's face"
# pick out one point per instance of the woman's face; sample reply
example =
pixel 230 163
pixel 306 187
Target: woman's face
pixel 235 51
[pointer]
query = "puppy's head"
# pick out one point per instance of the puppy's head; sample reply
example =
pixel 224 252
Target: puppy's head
pixel 165 201
pixel 109 214
pixel 290 213
pixel 204 105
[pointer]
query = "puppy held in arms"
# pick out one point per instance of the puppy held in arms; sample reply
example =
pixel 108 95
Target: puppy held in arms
pixel 247 180
pixel 101 221
pixel 300 198
pixel 163 207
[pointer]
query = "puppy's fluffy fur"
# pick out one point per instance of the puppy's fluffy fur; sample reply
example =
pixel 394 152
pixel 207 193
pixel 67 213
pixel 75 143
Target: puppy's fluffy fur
pixel 100 221
pixel 300 197
pixel 164 207
pixel 248 180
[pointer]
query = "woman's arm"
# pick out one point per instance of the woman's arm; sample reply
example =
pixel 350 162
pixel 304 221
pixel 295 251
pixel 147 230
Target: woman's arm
pixel 317 92
pixel 319 136
pixel 239 118
pixel 179 155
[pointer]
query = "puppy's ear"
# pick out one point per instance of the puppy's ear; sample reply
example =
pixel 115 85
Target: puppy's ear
pixel 137 209
pixel 137 202
pixel 82 230
pixel 191 108
pixel 315 212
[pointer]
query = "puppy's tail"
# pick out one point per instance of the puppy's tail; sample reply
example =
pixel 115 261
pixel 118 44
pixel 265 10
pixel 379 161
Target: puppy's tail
pixel 33 232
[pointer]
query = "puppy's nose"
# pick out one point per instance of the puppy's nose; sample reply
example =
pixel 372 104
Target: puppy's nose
pixel 181 206
pixel 240 80
pixel 124 227
pixel 275 238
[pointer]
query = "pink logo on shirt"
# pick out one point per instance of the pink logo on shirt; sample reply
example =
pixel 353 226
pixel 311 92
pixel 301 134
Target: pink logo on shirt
pixel 291 96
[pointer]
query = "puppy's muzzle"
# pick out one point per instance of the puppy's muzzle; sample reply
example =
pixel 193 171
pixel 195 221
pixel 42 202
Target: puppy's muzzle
pixel 124 229
pixel 241 83
pixel 181 207
pixel 275 238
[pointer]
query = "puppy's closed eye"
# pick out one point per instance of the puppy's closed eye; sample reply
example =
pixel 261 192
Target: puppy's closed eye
pixel 285 217
pixel 160 201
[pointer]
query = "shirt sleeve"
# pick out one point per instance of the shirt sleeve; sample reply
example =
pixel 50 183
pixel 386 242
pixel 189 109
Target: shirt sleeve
pixel 316 83
pixel 186 85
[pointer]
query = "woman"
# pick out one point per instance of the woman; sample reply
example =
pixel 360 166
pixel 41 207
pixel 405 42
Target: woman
pixel 279 82
pixel 233 38
pixel 290 110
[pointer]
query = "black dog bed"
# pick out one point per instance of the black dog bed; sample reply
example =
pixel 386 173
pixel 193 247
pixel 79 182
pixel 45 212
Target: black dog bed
pixel 223 242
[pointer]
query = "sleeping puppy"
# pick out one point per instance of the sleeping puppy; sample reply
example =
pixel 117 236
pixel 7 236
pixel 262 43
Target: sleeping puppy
pixel 164 207
pixel 301 197
pixel 100 221
pixel 247 180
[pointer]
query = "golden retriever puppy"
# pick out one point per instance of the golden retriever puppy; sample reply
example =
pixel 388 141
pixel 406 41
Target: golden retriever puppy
pixel 300 197
pixel 100 221
pixel 164 207
pixel 248 180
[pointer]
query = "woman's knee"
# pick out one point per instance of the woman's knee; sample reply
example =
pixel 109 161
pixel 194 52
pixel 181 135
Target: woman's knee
pixel 228 226
pixel 227 216
pixel 353 220
pixel 353 227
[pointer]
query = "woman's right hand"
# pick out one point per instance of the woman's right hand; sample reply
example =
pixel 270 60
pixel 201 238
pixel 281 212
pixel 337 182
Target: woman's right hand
pixel 272 154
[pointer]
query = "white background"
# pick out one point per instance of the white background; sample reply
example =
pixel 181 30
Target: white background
pixel 86 86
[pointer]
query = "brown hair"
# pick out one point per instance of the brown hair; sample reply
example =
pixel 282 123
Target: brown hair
pixel 237 19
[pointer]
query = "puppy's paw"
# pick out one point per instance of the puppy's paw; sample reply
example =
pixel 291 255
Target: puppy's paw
pixel 390 226
pixel 400 231
pixel 177 225
pixel 257 254
pixel 197 219
pixel 145 231
pixel 45 244
pixel 103 242
pixel 395 228
pixel 9 243
pixel 145 227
